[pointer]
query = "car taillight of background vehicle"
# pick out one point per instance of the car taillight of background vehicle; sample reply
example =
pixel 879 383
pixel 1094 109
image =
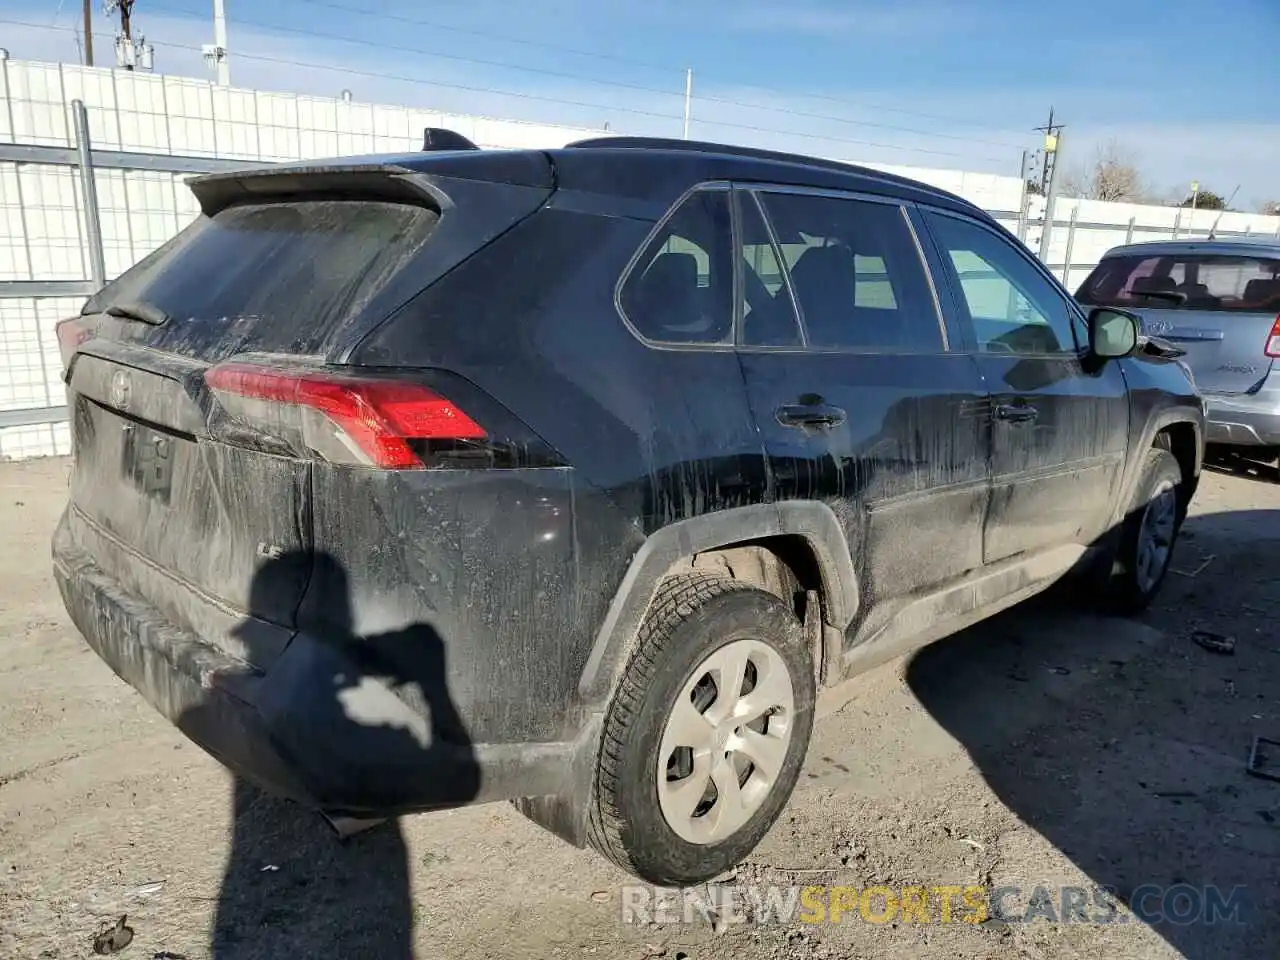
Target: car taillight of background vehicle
pixel 339 418
pixel 72 333
pixel 1273 340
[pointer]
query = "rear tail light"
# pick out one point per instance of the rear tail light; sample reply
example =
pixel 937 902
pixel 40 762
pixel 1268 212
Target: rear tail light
pixel 1273 340
pixel 72 333
pixel 339 418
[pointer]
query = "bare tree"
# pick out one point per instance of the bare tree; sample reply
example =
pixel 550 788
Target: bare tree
pixel 1112 176
pixel 1271 208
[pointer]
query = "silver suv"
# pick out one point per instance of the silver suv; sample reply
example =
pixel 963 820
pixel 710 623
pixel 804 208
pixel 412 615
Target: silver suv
pixel 1219 300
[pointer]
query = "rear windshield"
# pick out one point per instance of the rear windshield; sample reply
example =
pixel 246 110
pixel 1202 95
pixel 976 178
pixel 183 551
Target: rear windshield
pixel 290 271
pixel 1242 284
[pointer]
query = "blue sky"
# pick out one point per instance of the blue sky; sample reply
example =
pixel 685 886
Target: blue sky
pixel 1189 89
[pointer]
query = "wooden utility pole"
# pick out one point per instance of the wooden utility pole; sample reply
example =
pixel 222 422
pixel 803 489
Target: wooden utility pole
pixel 126 12
pixel 88 33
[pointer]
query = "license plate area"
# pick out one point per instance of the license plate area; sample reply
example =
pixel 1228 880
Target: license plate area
pixel 147 461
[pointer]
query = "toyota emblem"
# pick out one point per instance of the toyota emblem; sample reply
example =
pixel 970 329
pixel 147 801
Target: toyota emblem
pixel 121 390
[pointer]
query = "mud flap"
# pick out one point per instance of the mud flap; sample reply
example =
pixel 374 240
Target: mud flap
pixel 565 814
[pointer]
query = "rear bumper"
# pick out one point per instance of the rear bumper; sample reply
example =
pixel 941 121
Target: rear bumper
pixel 1245 420
pixel 315 727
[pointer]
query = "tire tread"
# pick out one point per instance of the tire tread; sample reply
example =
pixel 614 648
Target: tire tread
pixel 677 599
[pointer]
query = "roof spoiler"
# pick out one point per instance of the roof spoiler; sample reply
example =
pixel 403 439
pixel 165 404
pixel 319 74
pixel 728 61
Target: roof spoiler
pixel 438 138
pixel 309 181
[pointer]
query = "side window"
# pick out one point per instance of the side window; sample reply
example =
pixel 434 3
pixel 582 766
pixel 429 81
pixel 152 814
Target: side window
pixel 1012 307
pixel 768 315
pixel 856 274
pixel 680 290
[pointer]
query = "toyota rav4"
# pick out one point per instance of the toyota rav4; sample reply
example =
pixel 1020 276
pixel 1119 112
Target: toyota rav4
pixel 571 477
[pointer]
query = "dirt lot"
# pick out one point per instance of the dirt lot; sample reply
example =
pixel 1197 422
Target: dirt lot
pixel 1044 749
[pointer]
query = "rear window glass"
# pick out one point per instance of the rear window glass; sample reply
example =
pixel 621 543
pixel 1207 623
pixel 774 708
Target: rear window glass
pixel 280 275
pixel 1237 283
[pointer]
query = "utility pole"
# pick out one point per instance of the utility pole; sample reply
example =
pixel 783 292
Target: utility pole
pixel 1049 179
pixel 131 53
pixel 215 54
pixel 88 33
pixel 1051 133
pixel 126 28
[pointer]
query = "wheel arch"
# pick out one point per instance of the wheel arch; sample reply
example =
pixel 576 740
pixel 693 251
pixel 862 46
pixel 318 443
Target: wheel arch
pixel 1179 430
pixel 777 528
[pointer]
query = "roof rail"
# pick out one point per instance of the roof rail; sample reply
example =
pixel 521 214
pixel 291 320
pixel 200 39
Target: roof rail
pixel 724 149
pixel 438 138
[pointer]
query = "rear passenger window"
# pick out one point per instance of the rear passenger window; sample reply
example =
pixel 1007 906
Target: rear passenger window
pixel 680 290
pixel 855 272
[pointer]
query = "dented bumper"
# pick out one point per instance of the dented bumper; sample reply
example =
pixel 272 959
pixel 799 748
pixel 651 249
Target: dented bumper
pixel 318 726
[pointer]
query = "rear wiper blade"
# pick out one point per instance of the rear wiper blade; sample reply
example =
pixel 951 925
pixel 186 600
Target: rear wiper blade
pixel 138 310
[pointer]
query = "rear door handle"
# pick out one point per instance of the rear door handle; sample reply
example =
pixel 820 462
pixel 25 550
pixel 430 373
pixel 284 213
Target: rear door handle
pixel 1016 413
pixel 810 415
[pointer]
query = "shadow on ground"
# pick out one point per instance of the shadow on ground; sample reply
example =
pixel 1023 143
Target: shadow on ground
pixel 290 888
pixel 1126 747
pixel 1238 462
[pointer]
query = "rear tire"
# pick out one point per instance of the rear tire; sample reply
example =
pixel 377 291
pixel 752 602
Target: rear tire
pixel 704 740
pixel 1148 536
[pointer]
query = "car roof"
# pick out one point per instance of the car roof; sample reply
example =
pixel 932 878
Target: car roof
pixel 650 169
pixel 1267 247
pixel 648 158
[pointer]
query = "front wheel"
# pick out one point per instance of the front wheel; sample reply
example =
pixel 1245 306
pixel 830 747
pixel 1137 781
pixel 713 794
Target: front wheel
pixel 705 737
pixel 1149 534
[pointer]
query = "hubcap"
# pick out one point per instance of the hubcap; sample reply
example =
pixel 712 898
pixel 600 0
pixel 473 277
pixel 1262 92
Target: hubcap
pixel 1155 537
pixel 725 741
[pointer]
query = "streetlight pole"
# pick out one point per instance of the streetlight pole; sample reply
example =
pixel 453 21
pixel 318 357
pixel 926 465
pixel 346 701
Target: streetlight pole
pixel 688 99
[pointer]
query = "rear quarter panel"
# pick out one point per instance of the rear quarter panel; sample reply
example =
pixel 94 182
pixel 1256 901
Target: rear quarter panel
pixel 505 567
pixel 651 436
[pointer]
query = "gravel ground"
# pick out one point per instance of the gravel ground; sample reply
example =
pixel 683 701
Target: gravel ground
pixel 1042 749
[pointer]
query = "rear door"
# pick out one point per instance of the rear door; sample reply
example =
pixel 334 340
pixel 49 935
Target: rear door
pixel 1223 318
pixel 858 399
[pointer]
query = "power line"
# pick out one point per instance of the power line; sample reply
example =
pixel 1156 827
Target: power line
pixel 373 74
pixel 726 101
pixel 648 65
pixel 487 35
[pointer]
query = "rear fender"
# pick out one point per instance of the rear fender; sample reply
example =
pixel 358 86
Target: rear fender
pixel 565 814
pixel 813 520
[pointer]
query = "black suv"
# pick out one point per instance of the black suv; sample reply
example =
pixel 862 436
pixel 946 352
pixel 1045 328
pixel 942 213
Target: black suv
pixel 570 476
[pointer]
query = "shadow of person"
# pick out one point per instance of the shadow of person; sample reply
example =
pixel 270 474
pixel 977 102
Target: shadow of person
pixel 1125 746
pixel 365 726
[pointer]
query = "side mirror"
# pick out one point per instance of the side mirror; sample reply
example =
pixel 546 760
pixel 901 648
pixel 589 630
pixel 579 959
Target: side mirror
pixel 1112 333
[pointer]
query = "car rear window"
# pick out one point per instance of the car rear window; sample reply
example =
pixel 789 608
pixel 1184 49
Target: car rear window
pixel 284 273
pixel 1227 282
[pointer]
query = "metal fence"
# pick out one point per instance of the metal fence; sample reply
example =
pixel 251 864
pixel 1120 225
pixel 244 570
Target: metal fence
pixel 84 163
